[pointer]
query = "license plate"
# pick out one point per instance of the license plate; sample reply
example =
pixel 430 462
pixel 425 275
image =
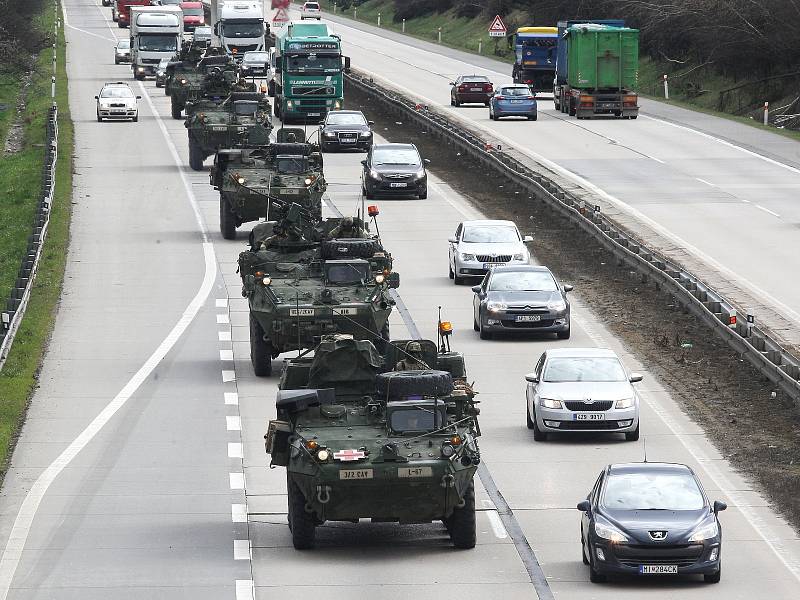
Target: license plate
pixel 301 312
pixel 587 416
pixel 345 311
pixel 396 185
pixel 290 191
pixel 313 114
pixel 516 102
pixel 528 318
pixel 219 128
pixel 406 472
pixel 488 266
pixel 658 569
pixel 355 474
pixel 345 140
pixel 475 89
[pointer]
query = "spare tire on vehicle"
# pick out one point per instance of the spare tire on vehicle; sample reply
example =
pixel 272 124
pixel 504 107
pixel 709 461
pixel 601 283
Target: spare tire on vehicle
pixel 399 384
pixel 350 248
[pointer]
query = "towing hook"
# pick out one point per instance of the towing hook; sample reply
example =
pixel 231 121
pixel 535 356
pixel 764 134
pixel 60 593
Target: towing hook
pixel 448 481
pixel 323 494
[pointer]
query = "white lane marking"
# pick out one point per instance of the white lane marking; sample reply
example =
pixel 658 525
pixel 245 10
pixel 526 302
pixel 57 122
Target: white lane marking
pixel 236 481
pixel 706 182
pixel 102 37
pixel 223 319
pixel 226 354
pixel 224 336
pixel 241 549
pixel 221 303
pixel 239 513
pixel 235 450
pixel 228 376
pixel 658 160
pixel 244 589
pixel 766 210
pixel 22 524
pixel 233 423
pixel 102 14
pixel 231 398
pixel 497 525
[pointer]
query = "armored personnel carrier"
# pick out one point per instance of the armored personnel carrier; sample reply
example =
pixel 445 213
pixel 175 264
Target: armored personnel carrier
pixel 361 442
pixel 249 178
pixel 185 75
pixel 302 282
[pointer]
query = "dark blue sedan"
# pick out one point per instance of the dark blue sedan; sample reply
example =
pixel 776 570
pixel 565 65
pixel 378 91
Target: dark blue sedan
pixel 513 101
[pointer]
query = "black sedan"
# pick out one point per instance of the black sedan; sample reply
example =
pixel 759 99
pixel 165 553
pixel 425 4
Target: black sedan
pixel 650 519
pixel 521 298
pixel 471 89
pixel 394 170
pixel 344 129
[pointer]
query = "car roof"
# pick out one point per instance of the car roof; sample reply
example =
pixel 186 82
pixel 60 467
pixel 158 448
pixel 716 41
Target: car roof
pixel 474 75
pixel 491 222
pixel 521 269
pixel 580 352
pixel 115 84
pixel 394 146
pixel 349 112
pixel 648 467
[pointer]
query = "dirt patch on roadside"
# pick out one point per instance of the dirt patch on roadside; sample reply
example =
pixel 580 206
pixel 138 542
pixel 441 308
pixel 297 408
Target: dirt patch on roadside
pixel 759 434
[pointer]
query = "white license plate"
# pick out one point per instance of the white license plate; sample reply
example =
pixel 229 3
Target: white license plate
pixel 345 311
pixel 347 140
pixel 355 474
pixel 528 318
pixel 219 128
pixel 658 569
pixel 588 416
pixel 475 89
pixel 313 114
pixel 290 191
pixel 301 312
pixel 396 185
pixel 516 102
pixel 488 266
pixel 406 472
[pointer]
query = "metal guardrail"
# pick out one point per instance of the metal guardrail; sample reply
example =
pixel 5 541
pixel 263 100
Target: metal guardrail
pixel 742 335
pixel 20 294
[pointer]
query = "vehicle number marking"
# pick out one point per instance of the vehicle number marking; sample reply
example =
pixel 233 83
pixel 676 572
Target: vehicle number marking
pixel 301 312
pixel 524 318
pixel 345 311
pixel 588 416
pixel 406 472
pixel 658 569
pixel 355 474
pixel 219 127
pixel 290 191
pixel 397 185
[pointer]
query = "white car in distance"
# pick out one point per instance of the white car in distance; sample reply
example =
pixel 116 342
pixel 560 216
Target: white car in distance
pixel 311 10
pixel 117 101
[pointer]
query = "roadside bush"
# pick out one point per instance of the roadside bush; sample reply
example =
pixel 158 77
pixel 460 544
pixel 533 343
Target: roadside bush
pixel 19 35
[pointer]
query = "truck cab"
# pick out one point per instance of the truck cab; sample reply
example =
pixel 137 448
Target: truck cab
pixel 535 57
pixel 241 27
pixel 156 33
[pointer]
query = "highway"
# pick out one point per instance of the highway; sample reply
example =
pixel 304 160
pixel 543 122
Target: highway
pixel 718 195
pixel 141 473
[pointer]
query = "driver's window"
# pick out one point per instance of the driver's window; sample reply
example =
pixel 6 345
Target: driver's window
pixel 458 231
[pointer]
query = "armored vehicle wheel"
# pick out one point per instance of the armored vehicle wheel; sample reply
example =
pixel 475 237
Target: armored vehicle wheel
pixel 349 248
pixel 461 524
pixel 301 523
pixel 176 110
pixel 398 384
pixel 195 156
pixel 227 219
pixel 260 349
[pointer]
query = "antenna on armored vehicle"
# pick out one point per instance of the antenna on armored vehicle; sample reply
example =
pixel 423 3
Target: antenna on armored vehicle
pixel 644 441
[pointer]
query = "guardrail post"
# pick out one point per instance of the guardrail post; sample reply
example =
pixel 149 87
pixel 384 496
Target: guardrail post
pixel 355 12
pixel 439 35
pixel 379 19
pixel 766 113
pixel 480 46
pixel 666 87
pixel 404 26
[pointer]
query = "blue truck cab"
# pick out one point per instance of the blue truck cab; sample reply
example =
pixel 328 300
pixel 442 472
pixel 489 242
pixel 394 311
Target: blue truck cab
pixel 535 57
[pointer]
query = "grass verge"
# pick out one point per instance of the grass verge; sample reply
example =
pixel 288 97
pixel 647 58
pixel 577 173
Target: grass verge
pixel 19 375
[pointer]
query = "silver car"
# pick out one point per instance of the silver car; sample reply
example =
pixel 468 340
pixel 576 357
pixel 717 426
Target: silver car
pixel 122 51
pixel 117 101
pixel 582 389
pixel 478 246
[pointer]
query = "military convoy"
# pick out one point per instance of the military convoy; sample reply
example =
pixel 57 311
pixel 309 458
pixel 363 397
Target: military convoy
pixel 360 440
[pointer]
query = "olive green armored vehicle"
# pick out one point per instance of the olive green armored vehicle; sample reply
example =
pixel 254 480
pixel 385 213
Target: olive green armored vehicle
pixel 184 75
pixel 303 282
pixel 360 441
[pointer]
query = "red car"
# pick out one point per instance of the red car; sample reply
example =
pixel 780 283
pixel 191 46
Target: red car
pixel 471 89
pixel 192 15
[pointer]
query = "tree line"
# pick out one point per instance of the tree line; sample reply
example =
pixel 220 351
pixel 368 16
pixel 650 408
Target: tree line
pixel 20 35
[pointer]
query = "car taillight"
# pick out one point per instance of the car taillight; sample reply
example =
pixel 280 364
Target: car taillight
pixel 531 98
pixel 462 88
pixel 586 100
pixel 487 87
pixel 500 97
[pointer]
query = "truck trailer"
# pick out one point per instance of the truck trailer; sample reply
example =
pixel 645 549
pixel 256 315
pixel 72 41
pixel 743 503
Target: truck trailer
pixel 535 57
pixel 156 33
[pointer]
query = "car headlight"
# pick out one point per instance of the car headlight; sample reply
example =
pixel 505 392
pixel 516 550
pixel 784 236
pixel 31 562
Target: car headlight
pixel 289 104
pixel 467 256
pixel 609 532
pixel 548 403
pixel 329 134
pixel 705 532
pixel 520 256
pixel 337 104
pixel 366 134
pixel 496 306
pixel 374 174
pixel 557 305
pixel 626 403
pixel 419 174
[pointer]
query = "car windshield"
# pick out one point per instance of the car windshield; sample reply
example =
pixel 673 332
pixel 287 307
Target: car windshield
pixel 258 57
pixel 193 12
pixel 202 32
pixel 116 92
pixel 475 79
pixel 583 368
pixel 490 234
pixel 243 29
pixel 124 44
pixel 158 43
pixel 515 91
pixel 652 491
pixel 348 273
pixel 311 5
pixel 395 156
pixel 346 119
pixel 305 63
pixel 522 281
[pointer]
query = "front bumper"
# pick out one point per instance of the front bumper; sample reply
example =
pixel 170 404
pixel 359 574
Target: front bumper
pixel 620 420
pixel 144 70
pixel 690 558
pixel 338 142
pixel 117 113
pixel 476 268
pixel 391 187
pixel 123 58
pixel 509 321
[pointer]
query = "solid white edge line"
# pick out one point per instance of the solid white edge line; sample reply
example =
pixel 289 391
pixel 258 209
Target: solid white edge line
pixel 766 210
pixel 706 182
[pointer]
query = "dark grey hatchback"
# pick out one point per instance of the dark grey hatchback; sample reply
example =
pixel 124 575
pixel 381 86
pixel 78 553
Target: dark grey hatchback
pixel 394 170
pixel 650 519
pixel 521 298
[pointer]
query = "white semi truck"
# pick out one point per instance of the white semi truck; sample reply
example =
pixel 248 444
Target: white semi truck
pixel 156 33
pixel 238 26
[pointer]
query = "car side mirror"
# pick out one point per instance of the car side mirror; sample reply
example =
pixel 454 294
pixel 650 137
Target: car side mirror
pixel 568 288
pixel 527 238
pixel 584 506
pixel 370 122
pixel 531 378
pixel 635 377
pixel 452 83
pixel 346 64
pixel 427 161
pixel 97 97
pixel 138 97
pixel 476 289
pixel 452 240
pixel 719 506
pixel 364 162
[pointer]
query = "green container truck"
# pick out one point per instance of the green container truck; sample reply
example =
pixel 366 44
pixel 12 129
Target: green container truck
pixel 598 71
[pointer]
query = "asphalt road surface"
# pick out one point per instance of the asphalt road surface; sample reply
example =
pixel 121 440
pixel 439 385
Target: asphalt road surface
pixel 141 473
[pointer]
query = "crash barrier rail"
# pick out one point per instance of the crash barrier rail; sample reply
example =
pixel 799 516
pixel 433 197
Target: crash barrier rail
pixel 21 292
pixel 742 335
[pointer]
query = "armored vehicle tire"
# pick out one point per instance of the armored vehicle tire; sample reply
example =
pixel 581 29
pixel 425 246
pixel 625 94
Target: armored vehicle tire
pixel 398 384
pixel 195 156
pixel 227 219
pixel 349 248
pixel 260 349
pixel 176 110
pixel 301 523
pixel 461 524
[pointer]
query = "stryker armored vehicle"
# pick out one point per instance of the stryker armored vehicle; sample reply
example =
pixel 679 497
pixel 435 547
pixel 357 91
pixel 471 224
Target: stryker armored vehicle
pixel 302 282
pixel 185 75
pixel 362 442
pixel 248 178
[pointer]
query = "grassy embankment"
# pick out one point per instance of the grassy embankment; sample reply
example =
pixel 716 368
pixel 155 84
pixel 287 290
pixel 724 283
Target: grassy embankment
pixel 463 34
pixel 20 180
